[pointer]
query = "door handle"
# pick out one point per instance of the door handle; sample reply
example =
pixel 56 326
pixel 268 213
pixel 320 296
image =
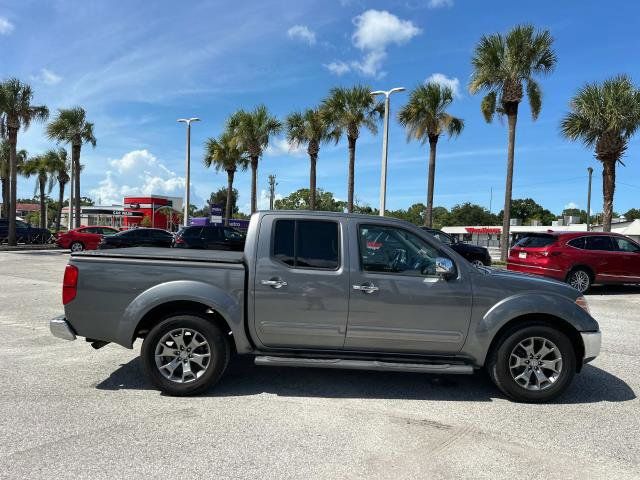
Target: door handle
pixel 274 283
pixel 366 288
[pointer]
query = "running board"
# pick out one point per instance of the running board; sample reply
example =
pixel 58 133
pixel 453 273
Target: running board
pixel 378 365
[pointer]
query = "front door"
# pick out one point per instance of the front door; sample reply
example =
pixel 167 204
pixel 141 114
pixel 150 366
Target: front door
pixel 627 254
pixel 301 284
pixel 398 302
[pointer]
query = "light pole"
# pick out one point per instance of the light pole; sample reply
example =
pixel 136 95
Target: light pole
pixel 188 167
pixel 385 145
pixel 590 170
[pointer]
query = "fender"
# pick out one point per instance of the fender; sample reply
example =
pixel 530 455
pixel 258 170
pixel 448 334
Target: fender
pixel 549 304
pixel 228 305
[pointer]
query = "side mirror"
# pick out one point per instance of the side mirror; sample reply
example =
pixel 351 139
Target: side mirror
pixel 445 267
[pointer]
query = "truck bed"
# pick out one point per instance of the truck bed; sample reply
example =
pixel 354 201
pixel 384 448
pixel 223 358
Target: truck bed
pixel 155 253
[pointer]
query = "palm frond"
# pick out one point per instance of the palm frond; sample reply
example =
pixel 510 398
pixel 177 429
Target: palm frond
pixel 488 106
pixel 534 94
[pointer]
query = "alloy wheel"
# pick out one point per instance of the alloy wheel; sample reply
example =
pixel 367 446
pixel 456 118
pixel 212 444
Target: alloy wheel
pixel 535 363
pixel 183 355
pixel 580 280
pixel 477 263
pixel 76 247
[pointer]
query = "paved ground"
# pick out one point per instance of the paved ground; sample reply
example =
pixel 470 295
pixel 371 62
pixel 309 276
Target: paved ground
pixel 67 411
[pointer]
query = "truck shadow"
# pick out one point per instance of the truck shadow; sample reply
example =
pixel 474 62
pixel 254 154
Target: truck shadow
pixel 243 378
pixel 606 290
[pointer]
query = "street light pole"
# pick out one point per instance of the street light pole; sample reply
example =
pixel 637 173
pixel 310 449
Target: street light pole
pixel 188 168
pixel 590 170
pixel 385 145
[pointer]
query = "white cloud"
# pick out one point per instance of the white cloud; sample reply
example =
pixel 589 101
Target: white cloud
pixel 47 77
pixel 442 79
pixel 440 3
pixel 374 31
pixel 302 32
pixel 571 205
pixel 338 68
pixel 280 146
pixel 141 169
pixel 6 27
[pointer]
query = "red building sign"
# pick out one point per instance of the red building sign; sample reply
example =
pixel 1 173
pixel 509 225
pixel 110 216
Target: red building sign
pixel 152 211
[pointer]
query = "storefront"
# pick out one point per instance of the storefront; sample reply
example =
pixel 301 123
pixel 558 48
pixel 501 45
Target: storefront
pixel 153 211
pixel 107 215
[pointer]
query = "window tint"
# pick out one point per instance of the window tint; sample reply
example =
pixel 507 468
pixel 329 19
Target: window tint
pixel 536 241
pixel 20 224
pixel 129 234
pixel 307 243
pixel 108 231
pixel 211 233
pixel 232 234
pixel 577 242
pixel 598 242
pixel 625 245
pixel 90 230
pixel 191 232
pixel 159 234
pixel 394 250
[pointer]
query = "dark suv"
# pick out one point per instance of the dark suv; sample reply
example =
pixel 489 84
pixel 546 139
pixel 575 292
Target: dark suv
pixel 210 237
pixel 25 233
pixel 477 255
pixel 137 237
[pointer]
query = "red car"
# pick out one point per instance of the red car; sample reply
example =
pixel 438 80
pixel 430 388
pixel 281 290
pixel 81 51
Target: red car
pixel 578 258
pixel 84 238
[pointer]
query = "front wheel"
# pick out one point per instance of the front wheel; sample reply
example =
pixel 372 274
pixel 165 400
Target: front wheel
pixel 77 247
pixel 533 364
pixel 185 354
pixel 477 263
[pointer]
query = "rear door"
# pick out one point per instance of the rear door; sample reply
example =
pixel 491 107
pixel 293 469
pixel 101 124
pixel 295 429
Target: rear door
pixel 398 303
pixel 301 283
pixel 212 238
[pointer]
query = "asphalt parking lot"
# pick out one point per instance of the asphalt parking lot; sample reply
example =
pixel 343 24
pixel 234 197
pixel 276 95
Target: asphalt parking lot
pixel 68 411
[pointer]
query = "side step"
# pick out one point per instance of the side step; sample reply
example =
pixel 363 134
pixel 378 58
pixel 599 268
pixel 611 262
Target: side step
pixel 378 365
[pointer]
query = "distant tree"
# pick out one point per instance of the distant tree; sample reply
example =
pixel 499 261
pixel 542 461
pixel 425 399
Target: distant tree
pixel 632 214
pixel 605 116
pixel 146 221
pixel 61 169
pixel 414 214
pixel 21 157
pixel 502 65
pixel 219 197
pixel 527 209
pixel 470 214
pixel 43 168
pixel 300 200
pixel 425 118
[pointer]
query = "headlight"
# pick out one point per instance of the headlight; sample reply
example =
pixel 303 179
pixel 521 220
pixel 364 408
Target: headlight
pixel 582 303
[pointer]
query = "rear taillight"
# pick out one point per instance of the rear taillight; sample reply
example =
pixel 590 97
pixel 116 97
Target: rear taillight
pixel 179 240
pixel 69 284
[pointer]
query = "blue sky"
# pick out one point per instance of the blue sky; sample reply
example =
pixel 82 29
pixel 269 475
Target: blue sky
pixel 138 66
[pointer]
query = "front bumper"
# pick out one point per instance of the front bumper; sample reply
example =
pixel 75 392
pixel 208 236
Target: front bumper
pixel 61 328
pixel 592 342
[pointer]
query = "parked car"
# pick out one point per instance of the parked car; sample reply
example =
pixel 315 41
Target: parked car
pixel 84 238
pixel 25 233
pixel 476 254
pixel 578 258
pixel 335 290
pixel 137 237
pixel 211 237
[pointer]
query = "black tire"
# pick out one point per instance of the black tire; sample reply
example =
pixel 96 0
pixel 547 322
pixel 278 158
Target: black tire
pixel 218 349
pixel 498 363
pixel 580 279
pixel 78 247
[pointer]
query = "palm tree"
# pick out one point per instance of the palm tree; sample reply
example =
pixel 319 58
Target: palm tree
pixel 224 154
pixel 71 126
pixel 250 132
pixel 21 157
pixel 16 112
pixel 43 167
pixel 501 66
pixel 425 117
pixel 310 128
pixel 60 170
pixel 347 110
pixel 605 116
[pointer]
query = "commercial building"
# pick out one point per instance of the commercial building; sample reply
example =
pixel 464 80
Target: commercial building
pixel 489 235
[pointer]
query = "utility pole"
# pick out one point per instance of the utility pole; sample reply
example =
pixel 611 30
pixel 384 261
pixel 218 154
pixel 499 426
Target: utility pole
pixel 590 170
pixel 187 168
pixel 490 199
pixel 272 190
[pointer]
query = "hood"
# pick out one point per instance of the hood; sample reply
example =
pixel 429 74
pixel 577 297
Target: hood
pixel 516 281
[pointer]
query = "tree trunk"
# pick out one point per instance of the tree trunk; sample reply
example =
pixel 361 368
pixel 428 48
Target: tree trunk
pixel 43 205
pixel 75 158
pixel 352 164
pixel 60 202
pixel 13 181
pixel 512 115
pixel 5 197
pixel 608 187
pixel 428 218
pixel 313 160
pixel 254 184
pixel 227 208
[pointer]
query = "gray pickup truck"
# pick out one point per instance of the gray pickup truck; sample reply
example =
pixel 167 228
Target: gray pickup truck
pixel 332 290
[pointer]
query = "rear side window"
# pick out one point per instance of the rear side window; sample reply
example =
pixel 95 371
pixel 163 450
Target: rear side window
pixel 307 243
pixel 211 233
pixel 536 241
pixel 577 243
pixel 598 242
pixel 191 232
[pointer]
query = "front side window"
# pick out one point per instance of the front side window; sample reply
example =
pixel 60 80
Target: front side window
pixel 231 234
pixel 577 243
pixel 307 243
pixel 598 242
pixel 211 233
pixel 395 250
pixel 624 245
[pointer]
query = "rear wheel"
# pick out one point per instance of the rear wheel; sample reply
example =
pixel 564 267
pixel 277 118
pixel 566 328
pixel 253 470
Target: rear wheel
pixel 477 263
pixel 185 354
pixel 580 279
pixel 77 247
pixel 534 363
